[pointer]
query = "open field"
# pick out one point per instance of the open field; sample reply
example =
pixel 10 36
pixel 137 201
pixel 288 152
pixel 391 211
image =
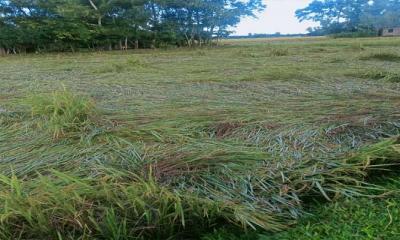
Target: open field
pixel 176 143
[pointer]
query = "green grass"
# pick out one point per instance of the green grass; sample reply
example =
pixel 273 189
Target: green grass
pixel 360 218
pixel 213 142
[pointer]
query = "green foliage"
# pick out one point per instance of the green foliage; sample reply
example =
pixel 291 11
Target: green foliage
pixel 351 18
pixel 68 25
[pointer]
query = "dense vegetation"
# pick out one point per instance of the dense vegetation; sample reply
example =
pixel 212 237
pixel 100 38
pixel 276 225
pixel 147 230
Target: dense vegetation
pixel 27 25
pixel 364 17
pixel 176 143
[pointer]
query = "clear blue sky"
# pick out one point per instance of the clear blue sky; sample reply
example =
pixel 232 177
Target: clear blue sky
pixel 278 17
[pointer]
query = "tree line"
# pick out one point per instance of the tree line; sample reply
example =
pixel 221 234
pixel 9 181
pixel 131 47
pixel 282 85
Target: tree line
pixel 347 16
pixel 68 25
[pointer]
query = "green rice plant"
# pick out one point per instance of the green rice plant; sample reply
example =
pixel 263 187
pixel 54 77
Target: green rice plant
pixel 381 56
pixel 200 53
pixel 135 63
pixel 176 187
pixel 357 46
pixel 249 54
pixel 319 50
pixel 131 64
pixel 386 152
pixel 285 183
pixel 63 112
pixel 376 74
pixel 226 177
pixel 62 204
pixel 392 77
pixel 268 52
pixel 335 60
pixel 279 52
pixel 177 148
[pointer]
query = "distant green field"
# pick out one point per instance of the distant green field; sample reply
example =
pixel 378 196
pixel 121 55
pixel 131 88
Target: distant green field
pixel 271 134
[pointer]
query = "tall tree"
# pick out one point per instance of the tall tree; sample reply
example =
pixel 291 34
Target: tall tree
pixel 382 13
pixel 334 15
pixel 36 25
pixel 351 15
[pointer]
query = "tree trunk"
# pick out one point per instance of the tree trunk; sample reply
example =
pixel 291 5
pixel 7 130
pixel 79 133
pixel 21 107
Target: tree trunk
pixel 99 21
pixel 136 44
pixel 126 43
pixel 2 51
pixel 212 32
pixel 188 40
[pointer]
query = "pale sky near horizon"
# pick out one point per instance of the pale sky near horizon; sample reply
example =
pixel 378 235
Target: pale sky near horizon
pixel 278 17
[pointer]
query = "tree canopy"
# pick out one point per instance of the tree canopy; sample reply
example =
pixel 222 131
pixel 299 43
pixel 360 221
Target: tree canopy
pixel 34 25
pixel 337 16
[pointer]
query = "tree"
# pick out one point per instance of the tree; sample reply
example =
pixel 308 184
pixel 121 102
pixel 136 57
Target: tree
pixel 337 16
pixel 383 13
pixel 37 25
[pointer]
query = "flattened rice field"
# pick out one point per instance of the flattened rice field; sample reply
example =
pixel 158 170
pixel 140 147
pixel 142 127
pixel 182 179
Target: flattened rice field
pixel 249 136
